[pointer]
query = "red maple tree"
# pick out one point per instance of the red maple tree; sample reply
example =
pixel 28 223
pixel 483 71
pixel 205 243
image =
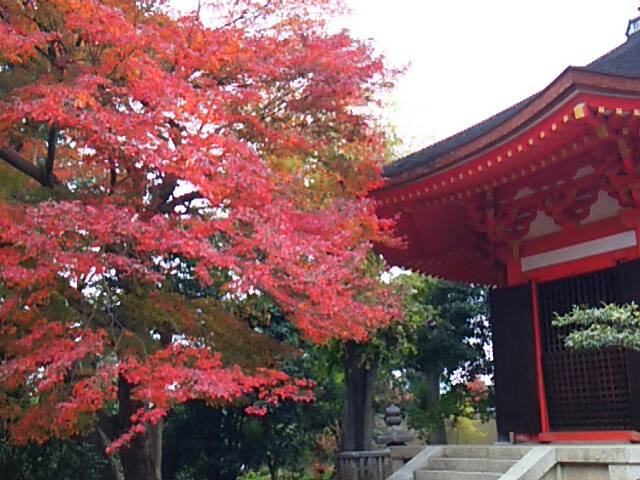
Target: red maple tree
pixel 135 140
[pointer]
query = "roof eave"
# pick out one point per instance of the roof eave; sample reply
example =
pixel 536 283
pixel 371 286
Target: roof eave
pixel 570 82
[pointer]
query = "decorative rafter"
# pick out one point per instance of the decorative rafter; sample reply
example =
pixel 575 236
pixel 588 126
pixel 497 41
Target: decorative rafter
pixel 562 190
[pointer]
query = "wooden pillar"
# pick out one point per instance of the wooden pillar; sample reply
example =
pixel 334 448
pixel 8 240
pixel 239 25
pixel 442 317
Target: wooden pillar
pixel 542 399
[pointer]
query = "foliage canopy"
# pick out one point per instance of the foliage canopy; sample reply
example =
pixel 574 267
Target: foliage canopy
pixel 141 145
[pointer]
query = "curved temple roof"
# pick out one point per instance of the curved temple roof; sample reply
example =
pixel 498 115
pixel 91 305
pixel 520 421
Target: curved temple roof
pixel 622 61
pixel 430 191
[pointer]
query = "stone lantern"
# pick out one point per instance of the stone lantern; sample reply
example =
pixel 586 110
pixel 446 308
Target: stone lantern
pixel 395 434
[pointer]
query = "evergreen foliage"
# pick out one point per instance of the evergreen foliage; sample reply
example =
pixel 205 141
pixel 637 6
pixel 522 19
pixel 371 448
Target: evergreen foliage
pixel 610 325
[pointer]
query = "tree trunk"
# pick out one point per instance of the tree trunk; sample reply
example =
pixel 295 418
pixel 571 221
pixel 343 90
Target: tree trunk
pixel 432 379
pixel 142 459
pixel 139 460
pixel 357 425
pixel 112 469
pixel 273 469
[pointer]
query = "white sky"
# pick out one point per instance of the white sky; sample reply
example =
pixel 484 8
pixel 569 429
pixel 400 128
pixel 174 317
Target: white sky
pixel 470 59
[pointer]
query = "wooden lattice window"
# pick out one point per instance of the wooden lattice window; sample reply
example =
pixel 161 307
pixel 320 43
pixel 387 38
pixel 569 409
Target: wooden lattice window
pixel 584 390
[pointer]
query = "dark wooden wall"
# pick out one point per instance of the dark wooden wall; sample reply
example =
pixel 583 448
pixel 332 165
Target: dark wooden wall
pixel 514 356
pixel 629 275
pixel 517 404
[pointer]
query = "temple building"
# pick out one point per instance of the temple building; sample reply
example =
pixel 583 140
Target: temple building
pixel 542 203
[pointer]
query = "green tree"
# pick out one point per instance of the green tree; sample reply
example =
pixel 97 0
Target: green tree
pixel 368 368
pixel 610 325
pixel 56 459
pixel 452 337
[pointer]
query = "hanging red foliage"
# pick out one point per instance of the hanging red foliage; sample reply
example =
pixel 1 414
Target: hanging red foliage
pixel 232 139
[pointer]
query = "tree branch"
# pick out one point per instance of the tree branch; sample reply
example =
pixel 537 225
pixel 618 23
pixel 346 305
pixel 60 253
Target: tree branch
pixel 52 140
pixel 168 207
pixel 114 463
pixel 20 163
pixel 17 161
pixel 113 178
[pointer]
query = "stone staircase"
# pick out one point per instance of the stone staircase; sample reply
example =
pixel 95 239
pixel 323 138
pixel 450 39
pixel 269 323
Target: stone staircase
pixel 471 462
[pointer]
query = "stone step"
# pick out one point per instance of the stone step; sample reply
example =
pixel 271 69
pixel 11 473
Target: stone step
pixel 453 475
pixel 489 465
pixel 498 452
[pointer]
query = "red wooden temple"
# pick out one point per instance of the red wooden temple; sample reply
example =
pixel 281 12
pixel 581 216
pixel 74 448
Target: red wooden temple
pixel 541 201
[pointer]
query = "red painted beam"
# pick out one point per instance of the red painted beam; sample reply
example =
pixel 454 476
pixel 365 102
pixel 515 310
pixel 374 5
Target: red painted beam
pixel 542 397
pixel 627 436
pixel 583 265
pixel 584 233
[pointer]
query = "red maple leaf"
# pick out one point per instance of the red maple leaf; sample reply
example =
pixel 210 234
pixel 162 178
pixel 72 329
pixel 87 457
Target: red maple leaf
pixel 135 140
